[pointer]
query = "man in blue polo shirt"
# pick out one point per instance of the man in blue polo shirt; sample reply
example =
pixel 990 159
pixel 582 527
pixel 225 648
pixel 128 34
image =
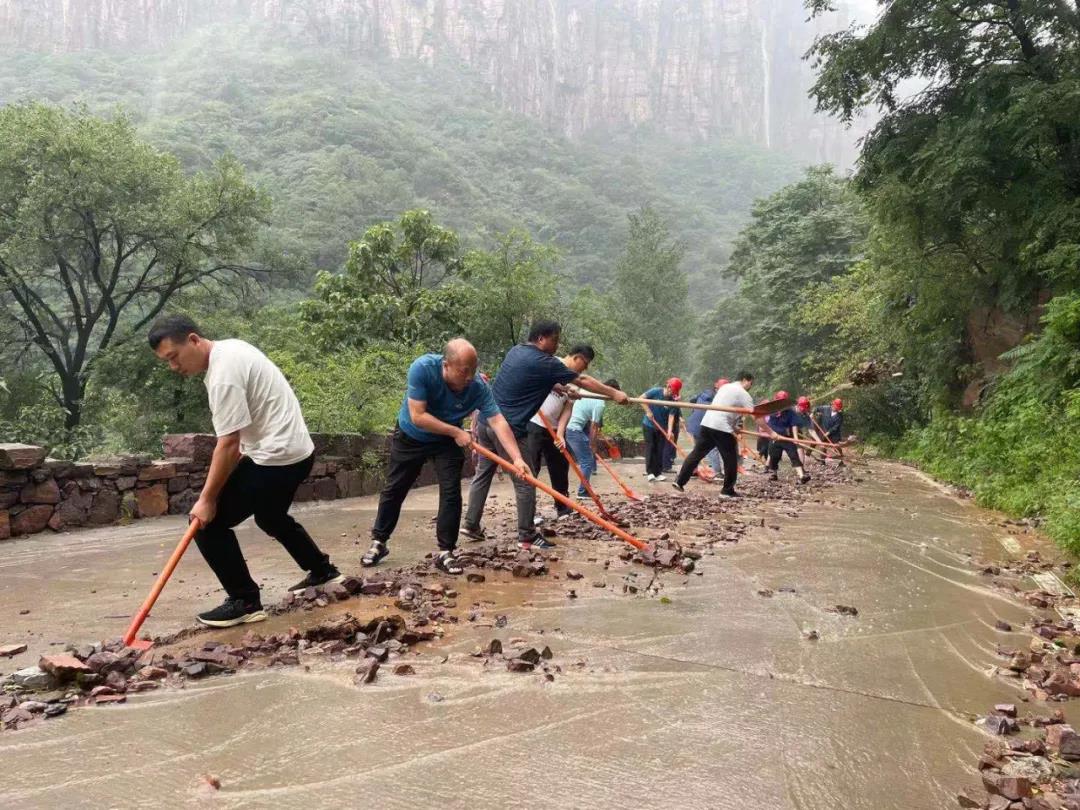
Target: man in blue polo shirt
pixel 655 437
pixel 527 375
pixel 442 391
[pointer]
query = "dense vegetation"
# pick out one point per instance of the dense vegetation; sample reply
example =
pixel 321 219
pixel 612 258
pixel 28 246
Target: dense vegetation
pixel 964 211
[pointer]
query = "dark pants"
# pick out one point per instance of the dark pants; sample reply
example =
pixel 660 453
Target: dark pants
pixel 407 459
pixel 763 447
pixel 654 450
pixel 668 451
pixel 777 451
pixel 267 493
pixel 539 445
pixel 524 494
pixel 725 444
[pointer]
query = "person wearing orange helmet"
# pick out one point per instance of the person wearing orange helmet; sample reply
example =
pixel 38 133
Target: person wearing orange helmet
pixel 663 416
pixel 784 425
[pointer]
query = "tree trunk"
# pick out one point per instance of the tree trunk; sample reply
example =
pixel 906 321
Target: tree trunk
pixel 73 391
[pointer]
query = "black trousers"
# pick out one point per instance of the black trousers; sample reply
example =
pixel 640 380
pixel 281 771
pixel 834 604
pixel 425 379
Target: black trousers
pixel 763 446
pixel 540 446
pixel 407 459
pixel 725 444
pixel 777 451
pixel 267 493
pixel 654 450
pixel 668 450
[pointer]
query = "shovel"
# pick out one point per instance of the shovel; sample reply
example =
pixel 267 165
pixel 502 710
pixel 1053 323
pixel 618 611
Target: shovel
pixel 155 592
pixel 581 510
pixel 758 411
pixel 700 472
pixel 581 476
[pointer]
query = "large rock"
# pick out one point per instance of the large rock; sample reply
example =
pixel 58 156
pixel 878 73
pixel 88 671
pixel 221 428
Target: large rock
pixel 63 667
pixel 181 502
pixel 152 501
pixel 157 471
pixel 106 508
pixel 31 678
pixel 199 447
pixel 31 519
pixel 325 489
pixel 20 456
pixel 72 511
pixel 45 492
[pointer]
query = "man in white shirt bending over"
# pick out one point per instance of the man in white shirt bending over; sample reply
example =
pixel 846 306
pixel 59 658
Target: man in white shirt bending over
pixel 263 452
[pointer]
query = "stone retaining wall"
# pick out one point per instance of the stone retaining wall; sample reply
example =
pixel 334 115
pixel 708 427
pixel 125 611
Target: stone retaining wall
pixel 38 493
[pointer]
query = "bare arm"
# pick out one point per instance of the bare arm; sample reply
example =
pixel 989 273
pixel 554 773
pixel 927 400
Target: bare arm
pixel 506 438
pixel 418 412
pixel 222 463
pixel 564 420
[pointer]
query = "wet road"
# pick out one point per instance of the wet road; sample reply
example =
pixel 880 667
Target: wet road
pixel 713 699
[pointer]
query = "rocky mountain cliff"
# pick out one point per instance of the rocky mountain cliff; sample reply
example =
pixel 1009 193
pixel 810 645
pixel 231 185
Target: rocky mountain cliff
pixel 699 68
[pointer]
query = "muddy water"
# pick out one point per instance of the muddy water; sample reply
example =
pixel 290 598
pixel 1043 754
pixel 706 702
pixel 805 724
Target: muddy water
pixel 714 699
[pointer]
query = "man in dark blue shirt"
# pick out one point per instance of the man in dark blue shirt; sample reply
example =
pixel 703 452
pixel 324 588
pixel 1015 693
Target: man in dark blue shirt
pixel 442 391
pixel 785 425
pixel 527 375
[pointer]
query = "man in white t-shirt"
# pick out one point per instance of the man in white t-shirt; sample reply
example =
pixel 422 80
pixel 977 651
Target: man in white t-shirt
pixel 717 431
pixel 263 453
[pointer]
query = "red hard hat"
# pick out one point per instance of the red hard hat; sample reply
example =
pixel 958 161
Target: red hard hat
pixel 838 404
pixel 780 395
pixel 675 384
pixel 722 381
pixel 803 404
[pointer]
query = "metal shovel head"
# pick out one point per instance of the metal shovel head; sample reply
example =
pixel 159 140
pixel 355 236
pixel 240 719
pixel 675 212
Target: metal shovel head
pixel 771 406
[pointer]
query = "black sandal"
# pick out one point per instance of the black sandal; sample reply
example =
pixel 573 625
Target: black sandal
pixel 448 563
pixel 377 551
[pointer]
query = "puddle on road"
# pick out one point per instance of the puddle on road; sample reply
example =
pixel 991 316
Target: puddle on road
pixel 712 700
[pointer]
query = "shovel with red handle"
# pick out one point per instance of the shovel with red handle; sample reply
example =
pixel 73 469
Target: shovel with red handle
pixel 155 592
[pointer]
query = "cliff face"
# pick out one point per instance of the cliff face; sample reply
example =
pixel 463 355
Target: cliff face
pixel 700 68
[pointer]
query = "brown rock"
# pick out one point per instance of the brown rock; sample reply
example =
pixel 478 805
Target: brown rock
pixel 107 700
pixel 366 672
pixel 177 484
pixel 106 508
pixel 473 576
pixel 574 575
pixel 1011 787
pixel 31 520
pixel 199 447
pixel 404 669
pixel 1062 738
pixel 15 456
pixel 62 667
pixel 8 650
pixel 152 501
pixel 181 502
pixel 45 492
pixel 517 665
pixel 151 673
pixel 325 489
pixel 126 482
pixel 72 511
pixel 157 471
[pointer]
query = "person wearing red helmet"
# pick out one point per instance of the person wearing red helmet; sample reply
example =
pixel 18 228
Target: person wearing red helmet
pixel 831 420
pixel 784 425
pixel 665 417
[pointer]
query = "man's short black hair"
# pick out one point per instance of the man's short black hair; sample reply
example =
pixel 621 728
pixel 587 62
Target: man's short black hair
pixel 543 329
pixel 613 383
pixel 173 327
pixel 745 375
pixel 584 349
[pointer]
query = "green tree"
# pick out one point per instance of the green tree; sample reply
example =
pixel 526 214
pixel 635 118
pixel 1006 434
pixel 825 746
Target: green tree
pixel 99 230
pixel 395 287
pixel 652 291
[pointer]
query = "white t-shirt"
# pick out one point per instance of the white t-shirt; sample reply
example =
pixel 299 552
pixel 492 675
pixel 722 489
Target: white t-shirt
pixel 732 395
pixel 551 408
pixel 248 393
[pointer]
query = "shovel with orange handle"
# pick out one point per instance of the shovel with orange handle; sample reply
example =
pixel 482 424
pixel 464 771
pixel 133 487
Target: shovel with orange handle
pixel 577 470
pixel 155 592
pixel 540 485
pixel 611 470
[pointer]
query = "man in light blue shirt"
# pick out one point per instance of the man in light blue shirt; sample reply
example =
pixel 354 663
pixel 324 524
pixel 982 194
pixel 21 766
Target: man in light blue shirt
pixel 586 417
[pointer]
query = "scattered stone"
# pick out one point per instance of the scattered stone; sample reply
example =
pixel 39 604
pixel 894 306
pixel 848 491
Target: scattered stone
pixel 531 655
pixel 1061 738
pixel 1007 709
pixel 55 709
pixel 404 669
pixel 150 673
pixel 494 647
pixel 108 700
pixel 366 672
pixel 844 610
pixel 1000 725
pixel 766 592
pixel 31 678
pixel 8 650
pixel 1013 788
pixel 473 576
pixel 210 781
pixel 199 670
pixel 518 665
pixel 811 635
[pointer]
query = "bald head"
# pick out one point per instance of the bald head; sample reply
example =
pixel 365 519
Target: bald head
pixel 459 364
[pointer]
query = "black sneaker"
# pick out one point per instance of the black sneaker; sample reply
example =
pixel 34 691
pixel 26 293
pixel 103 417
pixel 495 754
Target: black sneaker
pixel 730 493
pixel 475 534
pixel 233 612
pixel 316 578
pixel 536 541
pixel 678 486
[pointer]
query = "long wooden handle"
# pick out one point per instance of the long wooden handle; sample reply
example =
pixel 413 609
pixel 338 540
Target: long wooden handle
pixel 577 470
pixel 540 485
pixel 788 439
pixel 163 577
pixel 764 409
pixel 699 470
pixel 622 484
pixel 825 435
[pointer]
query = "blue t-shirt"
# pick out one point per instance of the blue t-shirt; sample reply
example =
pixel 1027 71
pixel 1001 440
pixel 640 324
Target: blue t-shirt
pixel 782 422
pixel 832 423
pixel 693 421
pixel 426 384
pixel 659 412
pixel 525 378
pixel 586 411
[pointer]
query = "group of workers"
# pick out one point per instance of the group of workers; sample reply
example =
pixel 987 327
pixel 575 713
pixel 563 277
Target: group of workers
pixel 534 410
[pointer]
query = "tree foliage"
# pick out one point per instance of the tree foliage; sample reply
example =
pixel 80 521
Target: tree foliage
pixel 99 230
